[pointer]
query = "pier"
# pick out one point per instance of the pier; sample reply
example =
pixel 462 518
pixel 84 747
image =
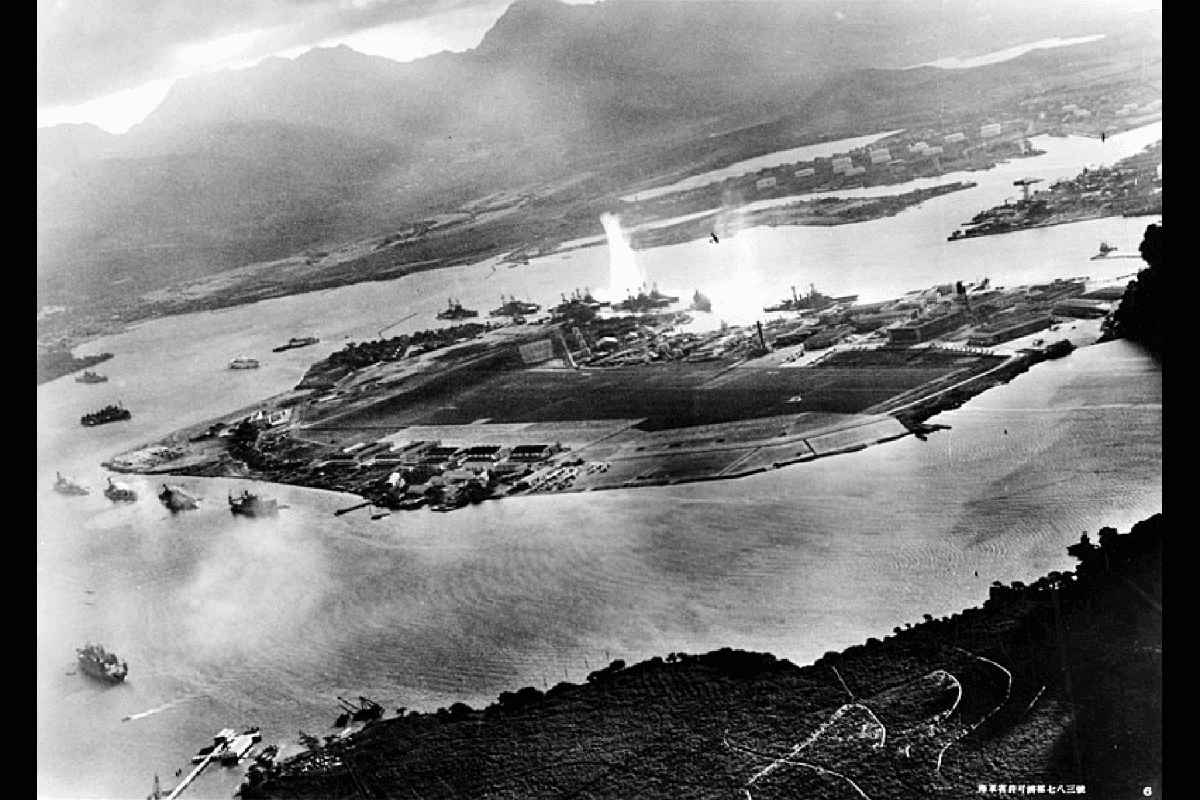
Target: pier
pixel 191 776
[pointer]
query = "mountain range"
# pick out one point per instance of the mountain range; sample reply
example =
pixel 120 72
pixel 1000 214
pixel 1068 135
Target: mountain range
pixel 240 166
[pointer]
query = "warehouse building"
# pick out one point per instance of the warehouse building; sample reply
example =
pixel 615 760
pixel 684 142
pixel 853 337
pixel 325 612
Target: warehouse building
pixel 922 330
pixel 1009 329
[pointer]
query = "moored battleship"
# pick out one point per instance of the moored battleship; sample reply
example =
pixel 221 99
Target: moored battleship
pixel 91 377
pixel 455 310
pixel 512 307
pixel 110 413
pixel 248 504
pixel 98 663
pixel 701 303
pixel 813 301
pixel 176 499
pixel 645 301
pixel 243 362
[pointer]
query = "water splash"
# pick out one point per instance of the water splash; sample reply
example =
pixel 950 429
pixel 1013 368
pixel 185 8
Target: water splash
pixel 625 277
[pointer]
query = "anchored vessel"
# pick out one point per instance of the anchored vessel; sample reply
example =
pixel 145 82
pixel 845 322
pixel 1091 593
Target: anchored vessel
pixel 248 504
pixel 294 342
pixel 1105 249
pixel 813 301
pixel 91 377
pixel 243 362
pixel 176 499
pixel 646 301
pixel 118 493
pixel 701 303
pixel 97 662
pixel 69 487
pixel 513 307
pixel 105 415
pixel 455 310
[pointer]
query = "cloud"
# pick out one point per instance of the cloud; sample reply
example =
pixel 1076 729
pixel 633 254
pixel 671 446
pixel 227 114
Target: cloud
pixel 91 48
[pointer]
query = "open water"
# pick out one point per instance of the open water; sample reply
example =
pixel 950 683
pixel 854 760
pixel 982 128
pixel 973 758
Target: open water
pixel 235 622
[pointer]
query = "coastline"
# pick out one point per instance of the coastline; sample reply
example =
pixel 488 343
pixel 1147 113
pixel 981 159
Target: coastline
pixel 994 693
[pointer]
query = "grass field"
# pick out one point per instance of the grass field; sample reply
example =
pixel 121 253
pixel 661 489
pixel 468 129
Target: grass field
pixel 664 396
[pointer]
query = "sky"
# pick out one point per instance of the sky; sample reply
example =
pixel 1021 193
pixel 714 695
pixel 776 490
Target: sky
pixel 110 62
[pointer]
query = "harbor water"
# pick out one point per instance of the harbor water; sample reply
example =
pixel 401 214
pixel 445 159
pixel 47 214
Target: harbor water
pixel 233 622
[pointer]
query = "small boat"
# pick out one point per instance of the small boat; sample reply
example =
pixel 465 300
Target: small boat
pixel 239 746
pixel 68 487
pixel 91 377
pixel 119 494
pixel 242 362
pixel 223 738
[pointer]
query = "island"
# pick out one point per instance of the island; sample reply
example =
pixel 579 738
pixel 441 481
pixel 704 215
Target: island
pixel 593 396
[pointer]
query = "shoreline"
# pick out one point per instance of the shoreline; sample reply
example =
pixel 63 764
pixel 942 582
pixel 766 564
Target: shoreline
pixel 943 704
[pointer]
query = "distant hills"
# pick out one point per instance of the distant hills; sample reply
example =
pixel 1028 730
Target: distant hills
pixel 241 166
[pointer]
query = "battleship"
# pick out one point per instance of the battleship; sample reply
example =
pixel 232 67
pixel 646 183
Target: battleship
pixel 295 342
pixel 248 504
pixel 68 487
pixel 91 377
pixel 455 310
pixel 176 499
pixel 98 663
pixel 646 301
pixel 701 303
pixel 105 415
pixel 118 493
pixel 813 301
pixel 579 306
pixel 243 362
pixel 512 307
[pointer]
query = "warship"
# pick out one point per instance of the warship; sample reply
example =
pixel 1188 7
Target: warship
pixel 646 301
pixel 69 487
pixel 105 415
pixel 119 494
pixel 248 504
pixel 91 377
pixel 512 307
pixel 176 499
pixel 243 362
pixel 295 342
pixel 455 310
pixel 813 301
pixel 98 663
pixel 701 303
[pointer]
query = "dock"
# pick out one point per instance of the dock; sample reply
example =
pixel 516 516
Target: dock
pixel 191 776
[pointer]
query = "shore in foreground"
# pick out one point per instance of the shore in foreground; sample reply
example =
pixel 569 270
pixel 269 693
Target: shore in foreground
pixel 1054 684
